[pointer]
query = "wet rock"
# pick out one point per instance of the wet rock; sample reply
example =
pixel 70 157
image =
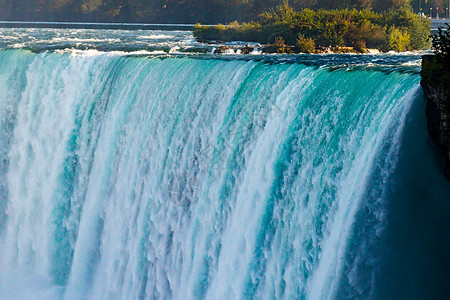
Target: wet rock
pixel 436 87
pixel 221 50
pixel 247 49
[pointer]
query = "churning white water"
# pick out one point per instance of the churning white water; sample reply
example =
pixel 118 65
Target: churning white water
pixel 142 177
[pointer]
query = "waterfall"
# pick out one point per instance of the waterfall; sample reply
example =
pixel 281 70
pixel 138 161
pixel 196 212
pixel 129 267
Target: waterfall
pixel 125 177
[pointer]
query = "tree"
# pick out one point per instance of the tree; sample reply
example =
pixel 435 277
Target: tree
pixel 305 45
pixel 441 45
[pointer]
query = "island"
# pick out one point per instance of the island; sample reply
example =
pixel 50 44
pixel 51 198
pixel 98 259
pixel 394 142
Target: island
pixel 285 30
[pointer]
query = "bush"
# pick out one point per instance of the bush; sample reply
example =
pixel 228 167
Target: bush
pixel 441 47
pixel 441 42
pixel 280 45
pixel 231 32
pixel 419 30
pixel 406 20
pixel 361 47
pixel 305 45
pixel 398 40
pixel 377 38
pixel 282 13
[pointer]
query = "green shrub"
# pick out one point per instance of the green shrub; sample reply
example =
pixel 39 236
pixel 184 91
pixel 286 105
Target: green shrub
pixel 405 19
pixel 441 45
pixel 419 30
pixel 361 46
pixel 305 45
pixel 282 13
pixel 280 45
pixel 398 40
pixel 377 38
pixel 441 42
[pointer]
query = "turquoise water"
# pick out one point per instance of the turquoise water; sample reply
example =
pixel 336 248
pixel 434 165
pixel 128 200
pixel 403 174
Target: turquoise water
pixel 131 176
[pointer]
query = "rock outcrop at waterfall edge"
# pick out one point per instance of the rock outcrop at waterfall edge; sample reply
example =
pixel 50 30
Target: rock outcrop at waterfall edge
pixel 436 87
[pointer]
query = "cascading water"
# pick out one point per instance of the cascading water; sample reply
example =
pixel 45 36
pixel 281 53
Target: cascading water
pixel 128 177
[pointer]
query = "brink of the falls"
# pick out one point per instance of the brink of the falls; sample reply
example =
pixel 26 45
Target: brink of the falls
pixel 146 177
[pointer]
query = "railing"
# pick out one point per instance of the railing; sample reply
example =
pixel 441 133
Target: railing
pixel 81 25
pixel 436 23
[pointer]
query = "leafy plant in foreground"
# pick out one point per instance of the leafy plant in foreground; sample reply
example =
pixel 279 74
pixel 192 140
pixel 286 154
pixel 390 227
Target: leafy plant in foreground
pixel 441 45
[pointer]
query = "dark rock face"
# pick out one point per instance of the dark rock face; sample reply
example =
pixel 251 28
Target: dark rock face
pixel 247 49
pixel 436 87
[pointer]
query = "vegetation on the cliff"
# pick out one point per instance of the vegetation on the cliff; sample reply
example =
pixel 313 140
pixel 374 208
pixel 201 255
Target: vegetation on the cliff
pixel 436 71
pixel 436 87
pixel 396 29
pixel 436 68
pixel 441 46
